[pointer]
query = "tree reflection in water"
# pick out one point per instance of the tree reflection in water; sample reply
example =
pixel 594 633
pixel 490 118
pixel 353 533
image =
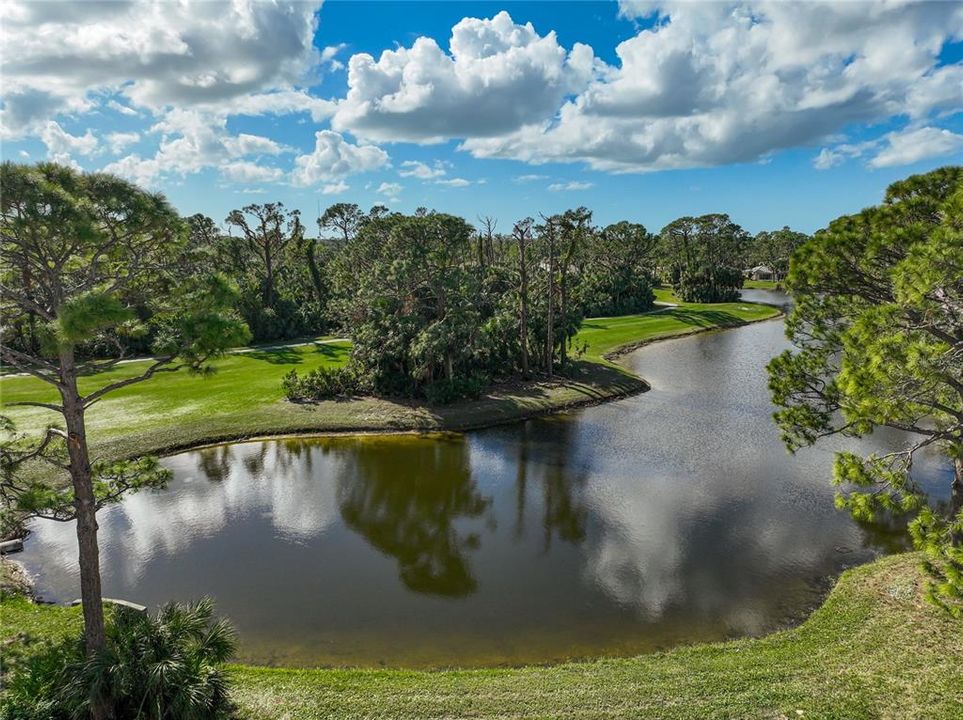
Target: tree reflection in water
pixel 215 462
pixel 564 513
pixel 405 496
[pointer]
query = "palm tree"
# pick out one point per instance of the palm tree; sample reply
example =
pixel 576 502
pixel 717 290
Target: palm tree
pixel 162 667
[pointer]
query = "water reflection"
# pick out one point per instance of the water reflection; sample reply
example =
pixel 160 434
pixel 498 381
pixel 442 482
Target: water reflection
pixel 675 516
pixel 406 496
pixel 560 484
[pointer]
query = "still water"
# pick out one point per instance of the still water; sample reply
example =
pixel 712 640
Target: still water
pixel 672 517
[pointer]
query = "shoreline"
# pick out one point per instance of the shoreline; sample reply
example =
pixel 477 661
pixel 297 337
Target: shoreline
pixel 606 379
pixel 244 404
pixel 865 632
pixel 569 394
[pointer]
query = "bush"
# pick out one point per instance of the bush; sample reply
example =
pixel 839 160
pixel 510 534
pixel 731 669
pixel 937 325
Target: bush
pixel 153 668
pixel 710 285
pixel 324 384
pixel 443 392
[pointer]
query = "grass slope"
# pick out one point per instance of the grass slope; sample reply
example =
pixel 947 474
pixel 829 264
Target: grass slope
pixel 243 397
pixel 875 649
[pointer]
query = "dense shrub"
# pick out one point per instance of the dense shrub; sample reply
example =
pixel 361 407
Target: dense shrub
pixel 710 285
pixel 153 668
pixel 324 384
pixel 443 392
pixel 626 293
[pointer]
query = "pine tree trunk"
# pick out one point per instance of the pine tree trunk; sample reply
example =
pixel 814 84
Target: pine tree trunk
pixel 563 311
pixel 309 251
pixel 268 280
pixel 91 596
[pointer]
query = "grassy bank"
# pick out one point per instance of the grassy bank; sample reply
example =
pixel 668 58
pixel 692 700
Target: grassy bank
pixel 243 398
pixel 760 284
pixel 875 649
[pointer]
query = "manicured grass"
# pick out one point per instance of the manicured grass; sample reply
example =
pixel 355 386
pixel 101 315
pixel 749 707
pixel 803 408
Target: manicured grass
pixel 25 627
pixel 760 284
pixel 606 335
pixel 875 649
pixel 243 397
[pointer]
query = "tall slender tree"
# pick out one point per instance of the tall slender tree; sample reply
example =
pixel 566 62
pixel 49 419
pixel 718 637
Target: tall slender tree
pixel 550 232
pixel 92 244
pixel 342 218
pixel 268 230
pixel 522 233
pixel 575 227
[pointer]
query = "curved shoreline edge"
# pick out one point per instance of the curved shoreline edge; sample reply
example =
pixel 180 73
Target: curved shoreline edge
pixel 594 383
pixel 861 625
pixel 860 654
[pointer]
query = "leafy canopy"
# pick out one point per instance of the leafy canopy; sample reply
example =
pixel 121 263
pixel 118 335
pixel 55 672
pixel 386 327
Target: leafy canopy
pixel 878 325
pixel 88 259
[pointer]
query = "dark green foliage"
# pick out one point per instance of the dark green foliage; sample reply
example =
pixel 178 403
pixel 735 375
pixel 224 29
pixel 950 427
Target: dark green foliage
pixel 281 273
pixel 878 325
pixel 702 257
pixel 433 305
pixel 773 249
pixel 618 271
pixel 87 257
pixel 443 392
pixel 153 668
pixel 410 295
pixel 324 383
pixel 710 284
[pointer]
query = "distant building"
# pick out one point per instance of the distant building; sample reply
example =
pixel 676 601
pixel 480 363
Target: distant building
pixel 760 272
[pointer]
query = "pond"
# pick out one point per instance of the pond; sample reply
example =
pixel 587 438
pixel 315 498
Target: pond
pixel 672 517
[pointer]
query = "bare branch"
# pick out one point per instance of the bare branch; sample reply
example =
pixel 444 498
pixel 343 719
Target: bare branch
pixel 158 366
pixel 31 403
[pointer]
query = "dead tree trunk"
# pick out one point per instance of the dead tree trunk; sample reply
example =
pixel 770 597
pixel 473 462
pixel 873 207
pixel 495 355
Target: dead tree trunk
pixel 550 336
pixel 521 232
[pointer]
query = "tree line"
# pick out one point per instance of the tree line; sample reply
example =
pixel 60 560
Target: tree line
pixel 435 307
pixel 94 267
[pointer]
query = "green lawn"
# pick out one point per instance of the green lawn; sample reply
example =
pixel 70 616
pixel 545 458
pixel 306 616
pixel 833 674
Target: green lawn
pixel 606 335
pixel 875 649
pixel 760 284
pixel 241 379
pixel 243 397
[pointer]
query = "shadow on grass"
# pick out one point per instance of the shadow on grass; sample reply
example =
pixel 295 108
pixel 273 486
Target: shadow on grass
pixel 331 351
pixel 277 356
pixel 704 318
pixel 586 382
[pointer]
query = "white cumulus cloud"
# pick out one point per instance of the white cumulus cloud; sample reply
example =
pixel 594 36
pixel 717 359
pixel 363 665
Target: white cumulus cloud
pixel 573 185
pixel 422 171
pixel 495 77
pixel 59 55
pixel 389 190
pixel 61 143
pixel 718 83
pixel 118 141
pixel 249 172
pixel 333 158
pixel 904 148
pixel 335 188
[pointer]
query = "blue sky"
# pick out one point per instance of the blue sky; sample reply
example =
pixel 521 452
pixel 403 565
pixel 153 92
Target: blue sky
pixel 777 114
